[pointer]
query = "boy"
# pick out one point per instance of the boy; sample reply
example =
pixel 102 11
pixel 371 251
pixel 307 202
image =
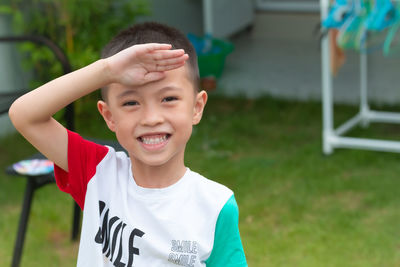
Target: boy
pixel 147 209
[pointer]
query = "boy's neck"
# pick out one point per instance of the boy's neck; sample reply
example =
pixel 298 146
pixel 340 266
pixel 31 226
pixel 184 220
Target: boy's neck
pixel 157 176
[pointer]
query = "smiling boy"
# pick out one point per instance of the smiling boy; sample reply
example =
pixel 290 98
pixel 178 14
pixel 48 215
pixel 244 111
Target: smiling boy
pixel 145 208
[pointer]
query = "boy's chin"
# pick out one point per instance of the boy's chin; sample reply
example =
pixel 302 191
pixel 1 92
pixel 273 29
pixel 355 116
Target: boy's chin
pixel 154 162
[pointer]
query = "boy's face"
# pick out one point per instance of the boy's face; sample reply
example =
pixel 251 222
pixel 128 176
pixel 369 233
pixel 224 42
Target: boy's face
pixel 153 122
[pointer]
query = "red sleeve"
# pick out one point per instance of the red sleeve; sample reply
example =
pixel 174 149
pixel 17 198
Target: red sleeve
pixel 83 158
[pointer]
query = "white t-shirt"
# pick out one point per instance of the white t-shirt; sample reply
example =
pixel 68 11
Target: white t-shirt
pixel 193 222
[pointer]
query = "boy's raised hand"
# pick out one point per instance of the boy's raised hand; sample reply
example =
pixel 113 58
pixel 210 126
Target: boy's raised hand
pixel 144 63
pixel 133 66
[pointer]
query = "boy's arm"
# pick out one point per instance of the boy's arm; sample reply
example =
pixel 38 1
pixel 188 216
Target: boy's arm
pixel 32 113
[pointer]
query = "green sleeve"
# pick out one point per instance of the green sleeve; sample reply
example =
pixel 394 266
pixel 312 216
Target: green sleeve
pixel 227 249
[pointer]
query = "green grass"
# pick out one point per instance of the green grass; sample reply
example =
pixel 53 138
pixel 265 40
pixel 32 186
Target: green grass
pixel 297 206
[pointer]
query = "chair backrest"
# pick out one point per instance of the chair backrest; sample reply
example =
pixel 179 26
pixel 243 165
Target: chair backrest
pixel 7 98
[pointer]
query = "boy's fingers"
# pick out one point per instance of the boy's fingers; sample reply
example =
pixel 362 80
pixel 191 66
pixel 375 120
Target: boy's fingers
pixel 173 61
pixel 154 76
pixel 166 54
pixel 159 73
pixel 154 46
pixel 149 49
pixel 169 67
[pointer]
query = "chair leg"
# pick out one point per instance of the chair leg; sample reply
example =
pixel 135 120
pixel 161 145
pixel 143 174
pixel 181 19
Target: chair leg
pixel 23 222
pixel 76 222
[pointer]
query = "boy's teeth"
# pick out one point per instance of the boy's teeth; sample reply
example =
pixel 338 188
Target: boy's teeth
pixel 154 140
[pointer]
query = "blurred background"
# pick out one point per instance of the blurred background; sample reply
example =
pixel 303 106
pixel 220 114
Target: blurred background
pixel 267 133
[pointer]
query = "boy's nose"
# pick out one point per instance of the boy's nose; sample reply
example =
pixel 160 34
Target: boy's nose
pixel 151 116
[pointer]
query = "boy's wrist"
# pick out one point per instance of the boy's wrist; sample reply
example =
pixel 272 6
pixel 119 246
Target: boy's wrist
pixel 106 71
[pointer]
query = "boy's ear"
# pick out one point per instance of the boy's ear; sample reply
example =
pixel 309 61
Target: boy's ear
pixel 106 113
pixel 200 102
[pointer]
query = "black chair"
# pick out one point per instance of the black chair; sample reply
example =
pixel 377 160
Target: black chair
pixel 34 182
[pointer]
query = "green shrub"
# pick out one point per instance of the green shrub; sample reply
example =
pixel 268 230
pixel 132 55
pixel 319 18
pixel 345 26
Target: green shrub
pixel 80 27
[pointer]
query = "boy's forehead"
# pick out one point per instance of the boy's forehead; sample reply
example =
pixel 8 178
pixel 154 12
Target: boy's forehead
pixel 178 80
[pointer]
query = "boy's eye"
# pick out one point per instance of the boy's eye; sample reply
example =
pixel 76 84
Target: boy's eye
pixel 169 99
pixel 130 103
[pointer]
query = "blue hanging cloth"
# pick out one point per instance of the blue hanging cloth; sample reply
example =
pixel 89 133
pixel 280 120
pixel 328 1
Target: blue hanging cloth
pixel 382 16
pixel 352 31
pixel 340 11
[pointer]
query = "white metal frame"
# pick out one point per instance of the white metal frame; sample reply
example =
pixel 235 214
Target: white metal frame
pixel 333 138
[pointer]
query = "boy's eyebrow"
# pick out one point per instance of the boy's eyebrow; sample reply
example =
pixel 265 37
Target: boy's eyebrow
pixel 126 92
pixel 170 88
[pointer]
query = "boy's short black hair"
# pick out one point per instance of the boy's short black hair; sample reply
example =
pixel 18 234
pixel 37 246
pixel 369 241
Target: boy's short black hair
pixel 153 32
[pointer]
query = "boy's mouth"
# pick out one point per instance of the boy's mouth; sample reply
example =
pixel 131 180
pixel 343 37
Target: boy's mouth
pixel 154 139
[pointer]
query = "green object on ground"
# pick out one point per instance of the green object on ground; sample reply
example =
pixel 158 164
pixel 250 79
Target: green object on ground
pixel 212 64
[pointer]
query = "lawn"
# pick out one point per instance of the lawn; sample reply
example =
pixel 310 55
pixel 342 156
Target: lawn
pixel 297 206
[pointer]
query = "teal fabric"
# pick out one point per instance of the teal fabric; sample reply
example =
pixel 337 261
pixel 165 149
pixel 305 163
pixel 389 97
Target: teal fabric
pixel 227 250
